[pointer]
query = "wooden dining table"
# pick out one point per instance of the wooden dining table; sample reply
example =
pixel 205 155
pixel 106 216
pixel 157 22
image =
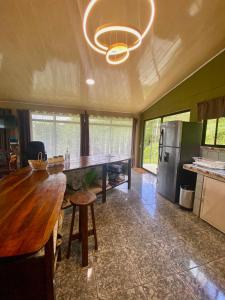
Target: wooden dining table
pixel 103 161
pixel 30 204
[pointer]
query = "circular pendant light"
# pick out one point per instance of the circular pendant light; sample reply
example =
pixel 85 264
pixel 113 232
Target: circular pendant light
pixel 120 51
pixel 126 29
pixel 117 54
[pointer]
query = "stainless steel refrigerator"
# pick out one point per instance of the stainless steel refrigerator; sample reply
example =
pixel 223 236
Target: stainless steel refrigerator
pixel 179 142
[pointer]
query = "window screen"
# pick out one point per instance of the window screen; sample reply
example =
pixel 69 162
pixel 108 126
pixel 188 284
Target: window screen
pixel 58 133
pixel 110 135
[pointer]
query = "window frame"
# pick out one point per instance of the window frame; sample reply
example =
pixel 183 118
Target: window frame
pixel 215 137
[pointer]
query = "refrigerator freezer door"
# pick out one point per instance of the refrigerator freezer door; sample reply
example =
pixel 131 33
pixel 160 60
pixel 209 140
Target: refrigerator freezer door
pixel 167 172
pixel 170 134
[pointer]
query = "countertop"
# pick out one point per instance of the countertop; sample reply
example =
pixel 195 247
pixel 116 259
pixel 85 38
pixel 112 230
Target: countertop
pixel 212 173
pixel 90 161
pixel 30 202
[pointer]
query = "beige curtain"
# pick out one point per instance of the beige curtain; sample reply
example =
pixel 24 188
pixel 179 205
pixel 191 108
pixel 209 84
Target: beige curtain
pixel 211 109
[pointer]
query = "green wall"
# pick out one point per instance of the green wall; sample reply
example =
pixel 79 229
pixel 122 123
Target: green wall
pixel 207 83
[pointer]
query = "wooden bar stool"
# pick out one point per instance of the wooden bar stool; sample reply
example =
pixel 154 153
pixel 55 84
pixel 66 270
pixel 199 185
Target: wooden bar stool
pixel 83 200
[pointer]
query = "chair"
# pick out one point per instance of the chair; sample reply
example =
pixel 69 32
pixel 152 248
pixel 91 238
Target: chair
pixel 83 200
pixel 33 149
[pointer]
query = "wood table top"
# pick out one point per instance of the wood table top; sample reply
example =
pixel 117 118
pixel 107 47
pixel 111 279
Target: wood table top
pixel 92 161
pixel 30 202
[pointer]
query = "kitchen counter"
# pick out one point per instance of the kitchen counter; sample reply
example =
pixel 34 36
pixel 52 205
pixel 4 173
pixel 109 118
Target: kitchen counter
pixel 212 173
pixel 30 204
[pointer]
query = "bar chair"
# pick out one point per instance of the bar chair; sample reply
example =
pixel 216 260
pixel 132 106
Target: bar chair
pixel 83 200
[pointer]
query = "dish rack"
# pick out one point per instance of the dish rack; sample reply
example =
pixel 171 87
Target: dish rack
pixel 208 163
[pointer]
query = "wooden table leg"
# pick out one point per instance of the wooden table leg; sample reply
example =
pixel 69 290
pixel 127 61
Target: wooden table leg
pixel 129 173
pixel 84 234
pixel 104 175
pixel 49 268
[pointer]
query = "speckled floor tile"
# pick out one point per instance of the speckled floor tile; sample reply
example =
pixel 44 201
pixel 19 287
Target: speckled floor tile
pixel 114 272
pixel 171 287
pixel 218 266
pixel 77 285
pixel 136 293
pixel 205 283
pixel 149 248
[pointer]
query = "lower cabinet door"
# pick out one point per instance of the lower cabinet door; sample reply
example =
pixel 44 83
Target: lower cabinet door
pixel 213 203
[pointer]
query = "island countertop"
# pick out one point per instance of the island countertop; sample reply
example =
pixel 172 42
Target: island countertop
pixel 93 161
pixel 212 173
pixel 30 202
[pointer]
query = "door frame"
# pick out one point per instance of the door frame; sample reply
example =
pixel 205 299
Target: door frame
pixel 161 121
pixel 143 136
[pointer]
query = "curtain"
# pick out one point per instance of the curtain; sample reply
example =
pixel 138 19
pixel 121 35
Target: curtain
pixel 84 134
pixel 4 133
pixel 58 132
pixel 24 133
pixel 211 109
pixel 110 135
pixel 134 132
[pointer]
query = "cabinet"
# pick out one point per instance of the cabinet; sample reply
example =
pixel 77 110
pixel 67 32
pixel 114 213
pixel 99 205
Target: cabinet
pixel 213 203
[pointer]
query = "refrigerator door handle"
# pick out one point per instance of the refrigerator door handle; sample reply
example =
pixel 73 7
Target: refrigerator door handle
pixel 166 157
pixel 161 137
pixel 160 153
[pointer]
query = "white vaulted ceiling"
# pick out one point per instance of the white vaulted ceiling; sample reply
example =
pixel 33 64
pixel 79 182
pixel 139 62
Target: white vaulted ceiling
pixel 44 58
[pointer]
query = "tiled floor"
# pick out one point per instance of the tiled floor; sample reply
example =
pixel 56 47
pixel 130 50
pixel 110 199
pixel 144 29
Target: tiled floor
pixel 148 249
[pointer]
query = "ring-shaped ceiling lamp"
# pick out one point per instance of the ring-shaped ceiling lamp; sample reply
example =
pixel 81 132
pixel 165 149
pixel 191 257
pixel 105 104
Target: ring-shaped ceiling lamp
pixel 101 51
pixel 115 50
pixel 107 29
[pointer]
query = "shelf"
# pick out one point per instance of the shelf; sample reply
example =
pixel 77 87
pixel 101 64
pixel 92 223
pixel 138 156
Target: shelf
pixel 115 185
pixel 96 189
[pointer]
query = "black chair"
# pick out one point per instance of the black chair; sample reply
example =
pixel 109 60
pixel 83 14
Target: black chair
pixel 33 149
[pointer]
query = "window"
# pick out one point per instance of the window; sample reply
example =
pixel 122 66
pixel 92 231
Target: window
pixel 185 116
pixel 58 133
pixel 214 132
pixel 110 135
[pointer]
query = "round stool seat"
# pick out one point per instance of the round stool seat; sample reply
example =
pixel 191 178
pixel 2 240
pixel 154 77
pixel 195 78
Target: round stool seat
pixel 82 198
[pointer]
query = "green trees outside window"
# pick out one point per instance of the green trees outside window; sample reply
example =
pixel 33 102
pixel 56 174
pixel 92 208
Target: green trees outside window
pixel 215 132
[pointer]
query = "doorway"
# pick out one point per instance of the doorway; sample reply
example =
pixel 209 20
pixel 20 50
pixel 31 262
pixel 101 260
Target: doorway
pixel 151 145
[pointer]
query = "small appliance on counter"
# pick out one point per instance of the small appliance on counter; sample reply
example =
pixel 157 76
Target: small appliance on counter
pixel 179 142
